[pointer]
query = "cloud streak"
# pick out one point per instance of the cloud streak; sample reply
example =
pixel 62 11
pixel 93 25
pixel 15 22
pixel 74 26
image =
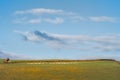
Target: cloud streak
pixel 53 16
pixel 103 19
pixel 58 16
pixel 39 11
pixel 54 21
pixel 4 55
pixel 80 42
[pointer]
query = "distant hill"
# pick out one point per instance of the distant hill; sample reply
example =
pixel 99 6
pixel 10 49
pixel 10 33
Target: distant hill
pixel 106 59
pixel 4 55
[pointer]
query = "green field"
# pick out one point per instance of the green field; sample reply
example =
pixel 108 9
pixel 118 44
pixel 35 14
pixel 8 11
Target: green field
pixel 84 70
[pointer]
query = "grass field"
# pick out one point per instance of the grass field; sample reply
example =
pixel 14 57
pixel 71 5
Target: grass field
pixel 84 70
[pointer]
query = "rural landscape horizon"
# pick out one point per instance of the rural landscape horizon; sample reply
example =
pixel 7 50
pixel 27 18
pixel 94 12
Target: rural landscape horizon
pixel 75 30
pixel 59 40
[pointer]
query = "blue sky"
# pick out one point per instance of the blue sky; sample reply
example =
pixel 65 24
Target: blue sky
pixel 60 29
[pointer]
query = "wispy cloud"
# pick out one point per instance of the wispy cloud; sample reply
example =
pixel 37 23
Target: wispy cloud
pixel 40 11
pixel 54 21
pixel 26 20
pixel 54 16
pixel 77 18
pixel 81 42
pixel 103 19
pixel 23 20
pixel 34 21
pixel 58 16
pixel 5 54
pixel 38 36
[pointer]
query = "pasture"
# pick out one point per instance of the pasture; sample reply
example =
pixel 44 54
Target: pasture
pixel 50 70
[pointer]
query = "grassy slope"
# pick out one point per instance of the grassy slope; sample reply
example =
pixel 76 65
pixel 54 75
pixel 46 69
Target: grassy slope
pixel 92 70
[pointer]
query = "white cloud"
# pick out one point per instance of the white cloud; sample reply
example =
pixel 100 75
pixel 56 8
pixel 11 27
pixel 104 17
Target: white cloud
pixel 54 21
pixel 82 42
pixel 27 21
pixel 39 11
pixel 77 18
pixel 108 48
pixel 34 21
pixel 54 16
pixel 103 19
pixel 58 16
pixel 30 36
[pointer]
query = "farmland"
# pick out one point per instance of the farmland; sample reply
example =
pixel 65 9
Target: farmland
pixel 50 70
